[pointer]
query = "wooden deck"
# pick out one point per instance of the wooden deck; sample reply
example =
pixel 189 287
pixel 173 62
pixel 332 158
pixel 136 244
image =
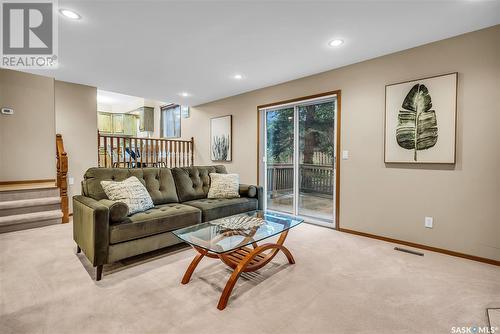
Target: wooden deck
pixel 313 205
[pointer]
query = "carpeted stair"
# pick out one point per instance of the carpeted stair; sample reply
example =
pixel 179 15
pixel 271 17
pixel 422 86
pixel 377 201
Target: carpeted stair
pixel 26 207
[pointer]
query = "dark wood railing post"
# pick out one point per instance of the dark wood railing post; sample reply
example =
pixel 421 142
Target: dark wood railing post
pixel 62 177
pixel 192 151
pixel 142 151
pixel 98 149
pixel 105 152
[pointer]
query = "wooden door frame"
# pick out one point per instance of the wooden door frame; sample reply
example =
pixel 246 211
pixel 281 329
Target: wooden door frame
pixel 338 94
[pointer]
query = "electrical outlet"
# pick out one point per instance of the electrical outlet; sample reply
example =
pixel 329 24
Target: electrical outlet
pixel 345 154
pixel 428 222
pixel 7 111
pixel 71 180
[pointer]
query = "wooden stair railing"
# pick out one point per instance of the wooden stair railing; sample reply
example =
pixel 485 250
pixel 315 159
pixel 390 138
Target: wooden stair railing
pixel 137 152
pixel 62 177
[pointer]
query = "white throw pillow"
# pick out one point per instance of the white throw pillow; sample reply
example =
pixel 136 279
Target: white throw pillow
pixel 224 186
pixel 131 192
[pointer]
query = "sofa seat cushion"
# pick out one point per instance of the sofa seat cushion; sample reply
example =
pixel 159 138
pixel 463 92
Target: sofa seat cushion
pixel 218 208
pixel 161 218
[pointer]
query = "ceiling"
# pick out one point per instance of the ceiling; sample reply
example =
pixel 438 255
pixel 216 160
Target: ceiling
pixel 158 49
pixel 115 102
pixel 120 103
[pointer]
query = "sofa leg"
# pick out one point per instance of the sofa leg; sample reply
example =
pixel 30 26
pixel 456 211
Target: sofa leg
pixel 98 273
pixel 78 249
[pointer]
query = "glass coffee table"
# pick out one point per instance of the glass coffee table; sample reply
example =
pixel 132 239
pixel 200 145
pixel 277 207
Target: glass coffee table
pixel 234 240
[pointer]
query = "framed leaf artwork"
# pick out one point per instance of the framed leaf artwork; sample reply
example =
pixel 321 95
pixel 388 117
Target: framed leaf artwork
pixel 420 120
pixel 221 138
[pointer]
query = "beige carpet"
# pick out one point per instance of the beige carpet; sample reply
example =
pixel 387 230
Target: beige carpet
pixel 340 284
pixel 494 317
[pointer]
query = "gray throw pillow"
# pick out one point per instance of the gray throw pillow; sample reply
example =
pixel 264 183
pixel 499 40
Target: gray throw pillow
pixel 131 192
pixel 224 186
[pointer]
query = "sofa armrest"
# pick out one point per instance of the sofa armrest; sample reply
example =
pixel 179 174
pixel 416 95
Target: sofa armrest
pixel 253 192
pixel 91 228
pixel 117 210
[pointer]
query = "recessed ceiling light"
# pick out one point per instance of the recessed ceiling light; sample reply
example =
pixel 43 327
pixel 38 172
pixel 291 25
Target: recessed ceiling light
pixel 70 14
pixel 238 76
pixel 336 42
pixel 184 94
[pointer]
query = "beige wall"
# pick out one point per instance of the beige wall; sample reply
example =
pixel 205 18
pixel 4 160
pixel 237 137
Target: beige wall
pixel 76 121
pixel 44 107
pixel 463 199
pixel 27 138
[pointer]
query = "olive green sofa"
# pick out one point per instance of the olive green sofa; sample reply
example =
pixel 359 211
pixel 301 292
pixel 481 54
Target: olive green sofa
pixel 106 234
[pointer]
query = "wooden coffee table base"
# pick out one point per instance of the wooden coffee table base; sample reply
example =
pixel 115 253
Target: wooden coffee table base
pixel 243 259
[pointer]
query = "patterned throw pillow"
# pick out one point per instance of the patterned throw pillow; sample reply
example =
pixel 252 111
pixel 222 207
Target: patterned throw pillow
pixel 131 192
pixel 224 186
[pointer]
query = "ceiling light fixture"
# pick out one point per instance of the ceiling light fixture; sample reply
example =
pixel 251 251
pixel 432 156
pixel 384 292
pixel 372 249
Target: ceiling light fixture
pixel 336 42
pixel 184 94
pixel 70 14
pixel 238 76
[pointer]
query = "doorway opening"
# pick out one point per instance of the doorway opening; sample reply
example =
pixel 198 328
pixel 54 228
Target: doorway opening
pixel 298 157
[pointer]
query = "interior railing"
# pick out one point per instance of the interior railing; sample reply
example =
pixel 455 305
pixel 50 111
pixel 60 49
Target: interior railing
pixel 136 152
pixel 62 177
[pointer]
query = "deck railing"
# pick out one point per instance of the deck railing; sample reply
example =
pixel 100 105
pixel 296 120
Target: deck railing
pixel 317 178
pixel 136 152
pixel 279 178
pixel 313 178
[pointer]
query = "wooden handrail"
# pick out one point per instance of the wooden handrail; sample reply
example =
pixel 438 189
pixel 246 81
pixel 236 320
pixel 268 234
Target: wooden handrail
pixel 138 152
pixel 62 177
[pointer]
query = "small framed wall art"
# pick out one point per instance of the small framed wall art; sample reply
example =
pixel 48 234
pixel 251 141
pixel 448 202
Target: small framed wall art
pixel 221 138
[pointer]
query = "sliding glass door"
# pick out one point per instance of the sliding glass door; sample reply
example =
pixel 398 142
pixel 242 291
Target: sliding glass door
pixel 279 159
pixel 316 165
pixel 299 158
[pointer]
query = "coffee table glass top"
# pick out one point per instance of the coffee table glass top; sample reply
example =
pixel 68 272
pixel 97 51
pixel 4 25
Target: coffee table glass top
pixel 217 236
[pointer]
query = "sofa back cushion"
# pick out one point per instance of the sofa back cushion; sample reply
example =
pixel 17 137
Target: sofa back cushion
pixel 193 182
pixel 91 184
pixel 158 181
